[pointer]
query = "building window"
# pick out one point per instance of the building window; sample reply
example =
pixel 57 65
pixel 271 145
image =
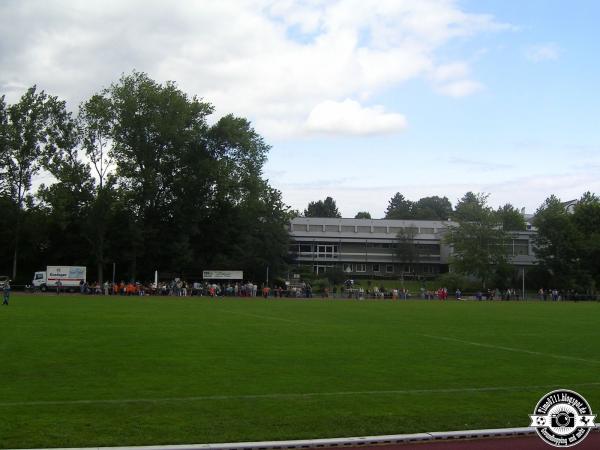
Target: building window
pixel 361 267
pixel 347 268
pixel 520 247
pixel 327 251
pixel 348 229
pixel 389 268
pixel 315 228
pixel 375 267
pixel 362 229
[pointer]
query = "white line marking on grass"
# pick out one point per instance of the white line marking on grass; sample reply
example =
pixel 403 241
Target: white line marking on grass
pixel 512 349
pixel 289 396
pixel 259 316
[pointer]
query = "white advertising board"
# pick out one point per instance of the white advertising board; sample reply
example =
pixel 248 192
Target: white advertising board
pixel 223 274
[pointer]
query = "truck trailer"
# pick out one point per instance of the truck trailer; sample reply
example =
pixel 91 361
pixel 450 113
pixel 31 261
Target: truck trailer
pixel 70 277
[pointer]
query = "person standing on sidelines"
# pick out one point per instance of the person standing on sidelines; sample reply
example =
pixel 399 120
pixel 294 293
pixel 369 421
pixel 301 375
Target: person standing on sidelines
pixel 58 286
pixel 6 291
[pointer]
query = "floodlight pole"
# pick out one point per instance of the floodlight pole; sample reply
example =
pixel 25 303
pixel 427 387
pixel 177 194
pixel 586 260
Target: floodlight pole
pixel 267 275
pixel 114 267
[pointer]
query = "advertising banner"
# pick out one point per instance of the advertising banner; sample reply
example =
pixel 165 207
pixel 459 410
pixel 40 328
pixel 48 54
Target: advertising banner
pixel 223 274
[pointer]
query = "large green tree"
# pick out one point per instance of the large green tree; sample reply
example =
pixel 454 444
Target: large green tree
pixel 477 239
pixel 399 208
pixel 432 208
pixel 407 249
pixel 68 199
pixel 155 130
pixel 363 215
pixel 140 178
pixel 511 218
pixel 322 208
pixel 25 128
pixel 567 246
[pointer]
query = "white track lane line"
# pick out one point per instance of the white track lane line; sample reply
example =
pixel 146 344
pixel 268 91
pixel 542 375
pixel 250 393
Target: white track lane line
pixel 259 316
pixel 511 349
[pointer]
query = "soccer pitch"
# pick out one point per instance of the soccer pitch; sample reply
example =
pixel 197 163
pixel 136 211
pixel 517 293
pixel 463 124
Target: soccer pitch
pixel 104 371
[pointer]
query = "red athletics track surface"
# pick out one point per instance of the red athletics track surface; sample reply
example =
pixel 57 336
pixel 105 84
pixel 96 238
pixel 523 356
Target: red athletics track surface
pixel 591 442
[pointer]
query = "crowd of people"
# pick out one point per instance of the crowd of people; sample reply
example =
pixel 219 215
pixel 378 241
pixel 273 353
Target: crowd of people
pixel 182 288
pixel 179 288
pixel 557 295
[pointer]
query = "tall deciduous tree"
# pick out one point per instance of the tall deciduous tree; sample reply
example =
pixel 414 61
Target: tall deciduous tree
pixel 69 197
pixel 511 218
pixel 407 249
pixel 322 208
pixel 432 208
pixel 477 239
pixel 586 218
pixel 25 129
pixel 567 246
pixel 155 129
pixel 95 122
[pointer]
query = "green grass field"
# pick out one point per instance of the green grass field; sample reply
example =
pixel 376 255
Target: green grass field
pixel 94 371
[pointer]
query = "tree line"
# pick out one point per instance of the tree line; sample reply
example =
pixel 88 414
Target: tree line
pixel 139 177
pixel 426 208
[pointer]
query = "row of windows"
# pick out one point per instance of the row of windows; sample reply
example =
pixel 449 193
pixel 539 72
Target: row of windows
pixel 328 248
pixel 360 229
pixel 518 247
pixel 386 268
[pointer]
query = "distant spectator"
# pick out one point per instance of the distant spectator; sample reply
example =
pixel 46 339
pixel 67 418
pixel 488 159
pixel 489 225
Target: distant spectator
pixel 6 292
pixel 266 291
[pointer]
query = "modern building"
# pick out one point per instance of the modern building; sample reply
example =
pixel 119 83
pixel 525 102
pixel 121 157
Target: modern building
pixel 383 248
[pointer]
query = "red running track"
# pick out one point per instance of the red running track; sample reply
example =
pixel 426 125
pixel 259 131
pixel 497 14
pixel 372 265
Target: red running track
pixel 591 442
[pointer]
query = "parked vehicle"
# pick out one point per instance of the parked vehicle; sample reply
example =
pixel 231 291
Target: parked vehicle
pixel 70 277
pixel 3 280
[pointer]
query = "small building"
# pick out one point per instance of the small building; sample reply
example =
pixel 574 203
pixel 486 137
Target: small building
pixel 375 247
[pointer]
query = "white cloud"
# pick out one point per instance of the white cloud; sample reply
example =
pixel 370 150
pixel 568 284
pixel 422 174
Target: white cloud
pixel 453 80
pixel 349 117
pixel 271 61
pixel 450 71
pixel 460 88
pixel 542 52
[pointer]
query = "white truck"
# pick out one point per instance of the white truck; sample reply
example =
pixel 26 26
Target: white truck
pixel 69 276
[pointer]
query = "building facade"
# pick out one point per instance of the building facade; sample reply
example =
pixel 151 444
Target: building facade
pixel 380 247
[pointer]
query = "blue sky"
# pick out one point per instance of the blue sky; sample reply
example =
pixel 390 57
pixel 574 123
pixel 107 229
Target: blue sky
pixel 531 131
pixel 358 99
